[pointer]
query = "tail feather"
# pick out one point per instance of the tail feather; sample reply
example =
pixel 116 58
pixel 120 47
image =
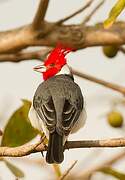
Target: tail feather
pixel 49 155
pixel 55 148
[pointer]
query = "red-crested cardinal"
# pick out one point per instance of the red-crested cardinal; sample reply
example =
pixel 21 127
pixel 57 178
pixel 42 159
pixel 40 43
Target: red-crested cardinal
pixel 58 104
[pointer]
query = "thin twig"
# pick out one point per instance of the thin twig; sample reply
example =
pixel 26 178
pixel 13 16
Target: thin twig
pixel 38 147
pixel 68 171
pixel 88 17
pixel 75 13
pixel 113 86
pixel 40 14
pixel 115 142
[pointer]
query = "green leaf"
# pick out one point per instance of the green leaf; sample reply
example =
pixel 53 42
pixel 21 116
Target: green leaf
pixel 114 13
pixel 18 130
pixel 113 172
pixel 15 170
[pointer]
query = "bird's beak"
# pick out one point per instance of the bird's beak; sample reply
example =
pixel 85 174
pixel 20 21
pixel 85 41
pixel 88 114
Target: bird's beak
pixel 40 68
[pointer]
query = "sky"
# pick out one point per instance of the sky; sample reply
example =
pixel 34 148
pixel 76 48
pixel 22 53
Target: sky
pixel 18 81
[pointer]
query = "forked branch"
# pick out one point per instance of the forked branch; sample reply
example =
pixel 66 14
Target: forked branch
pixel 40 14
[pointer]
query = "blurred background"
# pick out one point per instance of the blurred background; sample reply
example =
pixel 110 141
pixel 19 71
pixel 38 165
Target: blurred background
pixel 19 81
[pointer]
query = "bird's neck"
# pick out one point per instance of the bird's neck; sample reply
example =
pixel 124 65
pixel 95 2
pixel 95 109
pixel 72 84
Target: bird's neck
pixel 66 70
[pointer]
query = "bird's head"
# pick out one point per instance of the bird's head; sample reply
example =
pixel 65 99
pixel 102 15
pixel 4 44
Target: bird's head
pixel 54 62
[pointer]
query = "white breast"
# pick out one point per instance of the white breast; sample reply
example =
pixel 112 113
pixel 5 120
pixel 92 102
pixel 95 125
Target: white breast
pixel 80 122
pixel 36 122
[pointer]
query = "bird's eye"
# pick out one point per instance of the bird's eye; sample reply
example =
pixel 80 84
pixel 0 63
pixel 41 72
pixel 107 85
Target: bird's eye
pixel 52 65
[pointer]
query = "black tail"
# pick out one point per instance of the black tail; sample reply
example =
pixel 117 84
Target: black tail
pixel 55 148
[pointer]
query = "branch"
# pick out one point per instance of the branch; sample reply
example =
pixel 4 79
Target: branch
pixel 22 56
pixel 88 17
pixel 113 86
pixel 40 14
pixel 18 151
pixel 28 149
pixel 75 36
pixel 115 142
pixel 67 171
pixel 75 13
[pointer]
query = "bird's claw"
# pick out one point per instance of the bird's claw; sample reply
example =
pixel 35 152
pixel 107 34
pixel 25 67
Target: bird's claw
pixel 42 154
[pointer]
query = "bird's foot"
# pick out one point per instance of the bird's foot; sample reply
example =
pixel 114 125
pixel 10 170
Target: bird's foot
pixel 66 146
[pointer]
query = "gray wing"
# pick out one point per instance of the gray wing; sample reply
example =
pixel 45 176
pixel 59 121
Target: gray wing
pixel 70 116
pixel 46 112
pixel 59 102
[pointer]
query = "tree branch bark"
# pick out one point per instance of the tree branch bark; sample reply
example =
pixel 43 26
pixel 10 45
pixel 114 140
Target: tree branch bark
pixel 28 149
pixel 40 14
pixel 75 36
pixel 23 56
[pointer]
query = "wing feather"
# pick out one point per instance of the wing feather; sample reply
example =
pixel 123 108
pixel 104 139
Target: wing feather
pixel 46 113
pixel 48 107
pixel 70 116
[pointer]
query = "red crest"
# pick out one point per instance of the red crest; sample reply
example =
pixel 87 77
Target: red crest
pixel 55 61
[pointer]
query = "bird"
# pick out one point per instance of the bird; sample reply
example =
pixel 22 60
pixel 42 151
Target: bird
pixel 58 107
